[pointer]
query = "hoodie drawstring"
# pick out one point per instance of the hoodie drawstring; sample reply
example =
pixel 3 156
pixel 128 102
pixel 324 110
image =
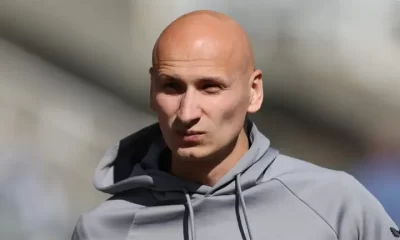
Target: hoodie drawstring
pixel 191 215
pixel 241 201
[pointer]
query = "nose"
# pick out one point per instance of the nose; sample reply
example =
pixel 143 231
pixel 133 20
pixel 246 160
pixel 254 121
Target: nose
pixel 189 110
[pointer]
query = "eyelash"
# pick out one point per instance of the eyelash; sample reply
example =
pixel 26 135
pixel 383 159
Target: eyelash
pixel 214 88
pixel 171 85
pixel 209 88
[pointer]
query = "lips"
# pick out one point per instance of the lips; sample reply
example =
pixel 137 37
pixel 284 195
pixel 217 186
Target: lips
pixel 191 135
pixel 189 132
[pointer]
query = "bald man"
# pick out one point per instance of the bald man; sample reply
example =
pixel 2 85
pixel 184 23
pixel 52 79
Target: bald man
pixel 204 171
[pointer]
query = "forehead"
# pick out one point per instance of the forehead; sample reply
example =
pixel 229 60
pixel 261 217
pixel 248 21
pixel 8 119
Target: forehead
pixel 192 51
pixel 196 58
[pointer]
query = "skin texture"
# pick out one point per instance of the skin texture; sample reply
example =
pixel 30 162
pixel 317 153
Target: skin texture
pixel 203 79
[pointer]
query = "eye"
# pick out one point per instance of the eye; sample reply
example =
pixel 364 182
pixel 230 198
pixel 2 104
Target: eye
pixel 172 87
pixel 212 88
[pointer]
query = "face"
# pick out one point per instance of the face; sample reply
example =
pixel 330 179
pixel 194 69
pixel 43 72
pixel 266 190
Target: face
pixel 201 101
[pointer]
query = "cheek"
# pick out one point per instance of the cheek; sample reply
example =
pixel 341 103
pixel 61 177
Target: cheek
pixel 228 117
pixel 165 108
pixel 165 105
pixel 231 108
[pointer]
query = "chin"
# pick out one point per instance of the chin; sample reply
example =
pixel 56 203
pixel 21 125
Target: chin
pixel 192 153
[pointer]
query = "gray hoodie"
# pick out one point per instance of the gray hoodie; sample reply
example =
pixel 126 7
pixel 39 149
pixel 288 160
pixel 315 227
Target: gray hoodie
pixel 265 196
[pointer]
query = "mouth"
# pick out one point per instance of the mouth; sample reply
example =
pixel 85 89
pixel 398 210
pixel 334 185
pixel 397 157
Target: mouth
pixel 190 135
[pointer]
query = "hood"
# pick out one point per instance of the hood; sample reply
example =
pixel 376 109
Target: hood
pixel 138 162
pixel 134 162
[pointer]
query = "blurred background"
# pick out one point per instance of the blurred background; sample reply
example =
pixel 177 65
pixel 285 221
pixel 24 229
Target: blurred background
pixel 74 80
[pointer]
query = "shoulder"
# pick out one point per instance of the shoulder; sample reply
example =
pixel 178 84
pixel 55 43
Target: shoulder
pixel 112 219
pixel 301 177
pixel 336 197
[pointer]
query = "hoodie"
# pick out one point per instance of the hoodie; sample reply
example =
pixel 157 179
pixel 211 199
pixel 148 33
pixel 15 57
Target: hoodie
pixel 266 195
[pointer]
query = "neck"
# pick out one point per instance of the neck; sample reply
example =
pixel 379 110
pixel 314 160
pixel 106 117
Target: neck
pixel 210 171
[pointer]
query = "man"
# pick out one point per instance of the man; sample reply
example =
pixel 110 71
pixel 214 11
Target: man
pixel 204 171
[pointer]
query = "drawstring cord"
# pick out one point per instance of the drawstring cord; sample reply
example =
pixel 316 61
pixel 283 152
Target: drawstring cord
pixel 191 215
pixel 242 203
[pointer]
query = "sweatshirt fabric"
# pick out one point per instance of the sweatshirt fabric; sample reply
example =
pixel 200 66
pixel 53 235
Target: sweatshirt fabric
pixel 266 195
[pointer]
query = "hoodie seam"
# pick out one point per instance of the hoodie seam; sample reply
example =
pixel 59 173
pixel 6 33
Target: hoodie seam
pixel 133 224
pixel 311 208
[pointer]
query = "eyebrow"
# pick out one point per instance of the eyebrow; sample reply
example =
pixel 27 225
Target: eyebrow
pixel 203 78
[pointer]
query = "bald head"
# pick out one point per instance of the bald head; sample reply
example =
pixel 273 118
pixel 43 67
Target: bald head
pixel 203 80
pixel 204 35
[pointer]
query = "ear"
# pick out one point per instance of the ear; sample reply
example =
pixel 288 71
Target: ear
pixel 152 95
pixel 256 92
